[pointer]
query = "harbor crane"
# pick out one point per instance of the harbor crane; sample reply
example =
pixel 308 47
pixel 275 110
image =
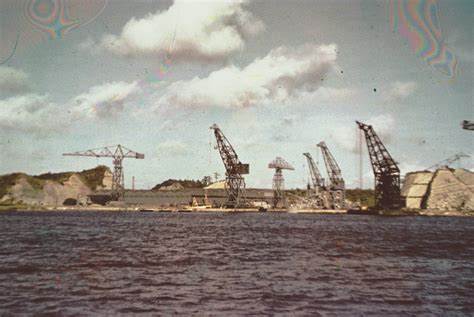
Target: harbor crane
pixel 448 161
pixel 386 171
pixel 337 190
pixel 117 153
pixel 317 193
pixel 234 169
pixel 279 165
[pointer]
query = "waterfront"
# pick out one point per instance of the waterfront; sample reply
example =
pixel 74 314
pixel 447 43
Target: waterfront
pixel 97 263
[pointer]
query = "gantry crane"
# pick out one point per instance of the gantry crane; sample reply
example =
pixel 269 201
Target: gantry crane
pixel 448 161
pixel 118 153
pixel 279 165
pixel 337 189
pixel 386 171
pixel 317 193
pixel 234 169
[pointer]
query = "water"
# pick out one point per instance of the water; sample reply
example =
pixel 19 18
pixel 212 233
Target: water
pixel 98 263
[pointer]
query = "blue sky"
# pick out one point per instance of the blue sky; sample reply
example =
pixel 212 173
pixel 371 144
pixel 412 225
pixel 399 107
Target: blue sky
pixel 278 77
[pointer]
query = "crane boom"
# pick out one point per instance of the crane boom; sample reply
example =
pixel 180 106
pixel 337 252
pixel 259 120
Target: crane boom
pixel 337 190
pixel 448 161
pixel 118 153
pixel 318 194
pixel 386 171
pixel 316 178
pixel 234 182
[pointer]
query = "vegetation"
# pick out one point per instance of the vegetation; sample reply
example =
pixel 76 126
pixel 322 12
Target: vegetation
pixel 92 178
pixel 185 183
pixel 364 196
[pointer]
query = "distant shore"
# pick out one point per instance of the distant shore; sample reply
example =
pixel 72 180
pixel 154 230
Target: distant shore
pixel 23 208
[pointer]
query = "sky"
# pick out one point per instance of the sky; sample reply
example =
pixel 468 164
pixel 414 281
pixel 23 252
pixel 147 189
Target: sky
pixel 276 76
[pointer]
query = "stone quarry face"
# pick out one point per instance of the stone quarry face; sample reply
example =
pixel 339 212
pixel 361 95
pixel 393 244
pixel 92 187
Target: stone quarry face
pixel 444 189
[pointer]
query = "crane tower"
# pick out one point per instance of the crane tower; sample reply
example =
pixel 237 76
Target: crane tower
pixel 117 153
pixel 317 193
pixel 337 189
pixel 386 171
pixel 234 169
pixel 279 165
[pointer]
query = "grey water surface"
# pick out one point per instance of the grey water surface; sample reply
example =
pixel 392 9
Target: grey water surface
pixel 119 263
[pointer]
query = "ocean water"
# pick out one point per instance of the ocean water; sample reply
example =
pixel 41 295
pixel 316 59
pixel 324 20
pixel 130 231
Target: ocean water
pixel 105 263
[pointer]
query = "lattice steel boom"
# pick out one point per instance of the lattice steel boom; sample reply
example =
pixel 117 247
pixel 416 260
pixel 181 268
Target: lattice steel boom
pixel 234 182
pixel 337 189
pixel 317 193
pixel 386 171
pixel 118 153
pixel 448 161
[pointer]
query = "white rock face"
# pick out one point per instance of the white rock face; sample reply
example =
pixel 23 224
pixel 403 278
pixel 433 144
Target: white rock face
pixel 23 191
pixel 445 189
pixel 415 188
pixel 52 193
pixel 107 181
pixel 448 192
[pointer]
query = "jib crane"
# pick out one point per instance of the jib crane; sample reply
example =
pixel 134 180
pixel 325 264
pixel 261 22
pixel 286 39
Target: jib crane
pixel 118 153
pixel 448 161
pixel 317 192
pixel 337 190
pixel 234 169
pixel 279 165
pixel 386 171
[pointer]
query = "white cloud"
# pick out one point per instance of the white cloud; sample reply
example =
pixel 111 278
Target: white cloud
pixel 103 101
pixel 399 91
pixel 346 134
pixel 38 115
pixel 31 113
pixel 172 148
pixel 202 30
pixel 12 80
pixel 283 73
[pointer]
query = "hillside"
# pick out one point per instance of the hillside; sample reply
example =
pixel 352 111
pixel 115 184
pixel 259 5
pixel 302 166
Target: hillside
pixel 44 188
pixel 176 184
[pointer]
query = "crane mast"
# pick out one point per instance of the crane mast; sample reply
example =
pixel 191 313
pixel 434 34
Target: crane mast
pixel 278 185
pixel 386 171
pixel 336 182
pixel 234 182
pixel 117 153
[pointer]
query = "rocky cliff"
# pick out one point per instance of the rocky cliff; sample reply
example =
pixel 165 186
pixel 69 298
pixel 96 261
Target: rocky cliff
pixel 444 189
pixel 53 189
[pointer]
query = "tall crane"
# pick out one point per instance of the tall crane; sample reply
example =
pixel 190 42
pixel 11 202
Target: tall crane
pixel 279 165
pixel 448 161
pixel 386 171
pixel 317 193
pixel 337 189
pixel 234 169
pixel 118 153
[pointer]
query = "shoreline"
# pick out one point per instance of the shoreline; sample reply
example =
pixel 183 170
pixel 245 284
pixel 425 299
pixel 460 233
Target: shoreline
pixel 187 209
